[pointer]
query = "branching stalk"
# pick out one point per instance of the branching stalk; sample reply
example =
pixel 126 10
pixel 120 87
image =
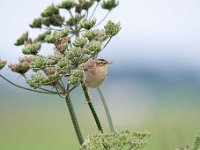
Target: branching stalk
pixel 94 11
pixel 102 20
pixel 106 43
pixel 21 87
pixel 75 86
pixel 103 100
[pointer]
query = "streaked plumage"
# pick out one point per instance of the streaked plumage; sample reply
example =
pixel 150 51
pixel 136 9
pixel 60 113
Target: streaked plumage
pixel 95 72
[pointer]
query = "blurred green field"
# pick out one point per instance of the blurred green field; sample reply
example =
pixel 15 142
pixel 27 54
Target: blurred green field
pixel 33 121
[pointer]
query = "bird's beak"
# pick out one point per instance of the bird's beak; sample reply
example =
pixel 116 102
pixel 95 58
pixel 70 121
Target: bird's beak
pixel 109 63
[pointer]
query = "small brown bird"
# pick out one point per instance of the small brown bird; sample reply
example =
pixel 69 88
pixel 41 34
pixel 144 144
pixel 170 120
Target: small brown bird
pixel 95 72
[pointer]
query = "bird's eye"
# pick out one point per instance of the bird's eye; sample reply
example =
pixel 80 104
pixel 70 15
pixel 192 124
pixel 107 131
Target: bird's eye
pixel 103 63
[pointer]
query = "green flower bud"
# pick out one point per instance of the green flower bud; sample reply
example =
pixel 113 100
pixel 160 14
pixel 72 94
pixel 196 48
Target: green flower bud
pixel 20 68
pixel 109 4
pixel 53 59
pixel 90 34
pixel 87 24
pixel 112 28
pixel 57 20
pixel 31 48
pixel 67 4
pixel 38 63
pixel 63 66
pixel 2 63
pixel 80 42
pixel 22 39
pixel 70 22
pixel 54 20
pixel 75 20
pixel 76 76
pixel 74 55
pixel 50 10
pixel 42 36
pixel 62 33
pixel 115 140
pixel 37 23
pixel 50 39
pixel 36 80
pixel 57 35
pixel 92 48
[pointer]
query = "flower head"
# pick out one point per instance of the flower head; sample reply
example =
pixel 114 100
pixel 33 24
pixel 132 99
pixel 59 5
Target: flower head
pixel 112 28
pixel 31 48
pixel 109 4
pixel 2 63
pixel 22 39
pixel 76 76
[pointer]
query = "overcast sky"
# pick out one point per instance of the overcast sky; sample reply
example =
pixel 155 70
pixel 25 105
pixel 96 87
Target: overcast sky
pixel 154 32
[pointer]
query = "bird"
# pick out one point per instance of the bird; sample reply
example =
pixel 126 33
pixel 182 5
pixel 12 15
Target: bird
pixel 95 72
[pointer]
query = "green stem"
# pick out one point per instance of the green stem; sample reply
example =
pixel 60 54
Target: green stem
pixel 102 20
pixel 106 109
pixel 24 88
pixel 74 119
pixel 96 118
pixel 107 43
pixel 94 11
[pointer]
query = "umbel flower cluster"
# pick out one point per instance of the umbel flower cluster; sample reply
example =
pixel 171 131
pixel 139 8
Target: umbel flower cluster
pixel 2 63
pixel 74 40
pixel 116 140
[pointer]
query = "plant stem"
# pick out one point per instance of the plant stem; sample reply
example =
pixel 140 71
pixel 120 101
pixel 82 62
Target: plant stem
pixel 24 88
pixel 102 20
pixel 94 11
pixel 106 109
pixel 107 43
pixel 88 99
pixel 74 119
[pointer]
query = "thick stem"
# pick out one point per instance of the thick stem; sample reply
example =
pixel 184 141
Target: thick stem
pixel 88 99
pixel 106 109
pixel 74 120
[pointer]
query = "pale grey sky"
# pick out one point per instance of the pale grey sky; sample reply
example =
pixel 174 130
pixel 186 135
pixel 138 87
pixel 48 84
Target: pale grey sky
pixel 155 32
